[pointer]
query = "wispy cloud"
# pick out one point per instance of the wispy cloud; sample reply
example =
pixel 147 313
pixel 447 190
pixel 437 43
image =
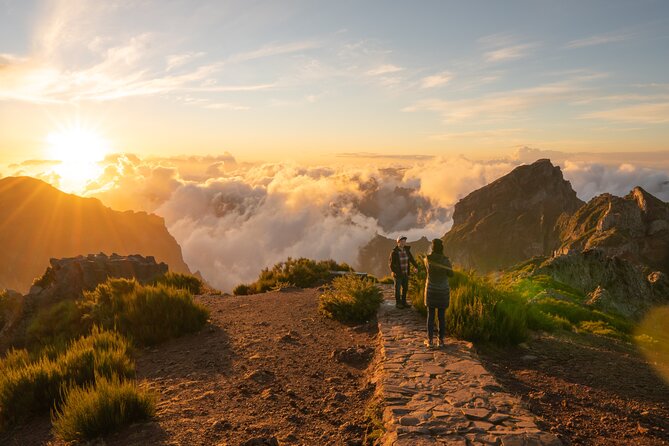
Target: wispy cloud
pixel 436 80
pixel 509 53
pixel 647 113
pixel 501 105
pixel 274 49
pixel 600 39
pixel 383 70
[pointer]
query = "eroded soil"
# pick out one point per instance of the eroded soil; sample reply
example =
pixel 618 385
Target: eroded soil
pixel 263 368
pixel 587 390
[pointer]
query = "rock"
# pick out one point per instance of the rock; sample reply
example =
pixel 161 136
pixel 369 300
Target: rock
pixel 68 278
pixel 75 225
pixel 634 227
pixel 409 421
pixel 511 219
pixel 272 441
pixel 221 425
pixel 354 356
pixel 260 376
pixel 610 283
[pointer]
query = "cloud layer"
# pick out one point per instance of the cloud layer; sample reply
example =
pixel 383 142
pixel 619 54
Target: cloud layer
pixel 232 220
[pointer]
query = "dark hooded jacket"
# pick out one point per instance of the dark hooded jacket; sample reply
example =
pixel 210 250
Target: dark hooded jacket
pixel 437 291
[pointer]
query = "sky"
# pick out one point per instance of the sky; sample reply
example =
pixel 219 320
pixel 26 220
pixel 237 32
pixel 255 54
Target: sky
pixel 262 130
pixel 308 81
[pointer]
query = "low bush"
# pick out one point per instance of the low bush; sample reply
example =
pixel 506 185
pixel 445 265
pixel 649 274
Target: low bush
pixel 8 303
pixel 480 312
pixel 147 314
pixel 28 387
pixel 57 324
pixel 387 280
pixel 182 281
pixel 302 273
pixel 98 409
pixel 351 299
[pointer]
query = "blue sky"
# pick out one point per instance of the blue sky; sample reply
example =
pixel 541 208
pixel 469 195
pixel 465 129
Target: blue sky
pixel 270 80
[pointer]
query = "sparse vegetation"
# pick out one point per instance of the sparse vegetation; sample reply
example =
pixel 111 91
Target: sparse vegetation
pixel 57 324
pixel 98 409
pixel 182 281
pixel 6 305
pixel 351 299
pixel 33 386
pixel 301 273
pixel 148 314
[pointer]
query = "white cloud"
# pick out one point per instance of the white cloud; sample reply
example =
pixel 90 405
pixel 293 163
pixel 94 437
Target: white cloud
pixel 509 53
pixel 647 113
pixel 601 39
pixel 384 69
pixel 436 80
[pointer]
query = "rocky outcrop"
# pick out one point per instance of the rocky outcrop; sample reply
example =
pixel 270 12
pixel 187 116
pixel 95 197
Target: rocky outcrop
pixel 610 283
pixel 69 278
pixel 373 257
pixel 511 219
pixel 39 222
pixel 634 227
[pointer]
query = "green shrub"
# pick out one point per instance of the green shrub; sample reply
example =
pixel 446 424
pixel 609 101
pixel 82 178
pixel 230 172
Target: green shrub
pixel 479 311
pixel 8 304
pixel 57 324
pixel 351 299
pixel 182 281
pixel 599 328
pixel 29 387
pixel 243 290
pixel 539 320
pixel 95 410
pixel 147 314
pixel 302 273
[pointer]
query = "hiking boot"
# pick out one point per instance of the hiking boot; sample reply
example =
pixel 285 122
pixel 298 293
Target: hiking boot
pixel 429 343
pixel 441 343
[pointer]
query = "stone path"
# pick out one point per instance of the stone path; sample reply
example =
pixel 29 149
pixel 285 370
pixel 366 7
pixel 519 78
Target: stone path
pixel 443 396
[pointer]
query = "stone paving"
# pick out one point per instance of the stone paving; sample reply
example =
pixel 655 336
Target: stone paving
pixel 443 396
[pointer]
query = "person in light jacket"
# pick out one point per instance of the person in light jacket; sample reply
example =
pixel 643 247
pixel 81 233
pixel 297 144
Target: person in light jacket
pixel 437 292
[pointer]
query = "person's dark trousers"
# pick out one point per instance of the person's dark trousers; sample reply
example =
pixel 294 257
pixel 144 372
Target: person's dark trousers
pixel 441 313
pixel 401 288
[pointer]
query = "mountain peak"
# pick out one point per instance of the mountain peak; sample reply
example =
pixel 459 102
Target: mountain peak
pixel 512 218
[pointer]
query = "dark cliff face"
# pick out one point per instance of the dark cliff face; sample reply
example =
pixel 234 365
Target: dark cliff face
pixel 38 222
pixel 634 227
pixel 511 219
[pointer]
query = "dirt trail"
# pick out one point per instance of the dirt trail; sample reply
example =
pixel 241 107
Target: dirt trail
pixel 262 368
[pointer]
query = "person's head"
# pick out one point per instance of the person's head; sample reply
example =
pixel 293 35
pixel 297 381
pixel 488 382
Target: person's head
pixel 437 246
pixel 401 241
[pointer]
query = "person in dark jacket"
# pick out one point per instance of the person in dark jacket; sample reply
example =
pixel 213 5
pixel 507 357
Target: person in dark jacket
pixel 437 292
pixel 399 262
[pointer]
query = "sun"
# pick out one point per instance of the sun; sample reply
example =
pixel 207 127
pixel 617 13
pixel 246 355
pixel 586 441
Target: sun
pixel 78 152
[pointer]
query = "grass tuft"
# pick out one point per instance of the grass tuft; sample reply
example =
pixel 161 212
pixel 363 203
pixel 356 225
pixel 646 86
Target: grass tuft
pixel 181 281
pixel 301 273
pixel 351 299
pixel 98 409
pixel 147 314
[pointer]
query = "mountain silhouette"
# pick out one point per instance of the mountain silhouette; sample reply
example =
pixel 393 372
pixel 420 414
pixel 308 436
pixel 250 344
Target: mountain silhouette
pixel 39 222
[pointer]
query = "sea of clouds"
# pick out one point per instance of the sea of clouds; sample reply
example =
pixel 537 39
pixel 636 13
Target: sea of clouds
pixel 233 219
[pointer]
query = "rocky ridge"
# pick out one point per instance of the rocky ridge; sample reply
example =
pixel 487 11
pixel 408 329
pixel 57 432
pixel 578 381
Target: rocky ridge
pixel 39 222
pixel 511 219
pixel 634 227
